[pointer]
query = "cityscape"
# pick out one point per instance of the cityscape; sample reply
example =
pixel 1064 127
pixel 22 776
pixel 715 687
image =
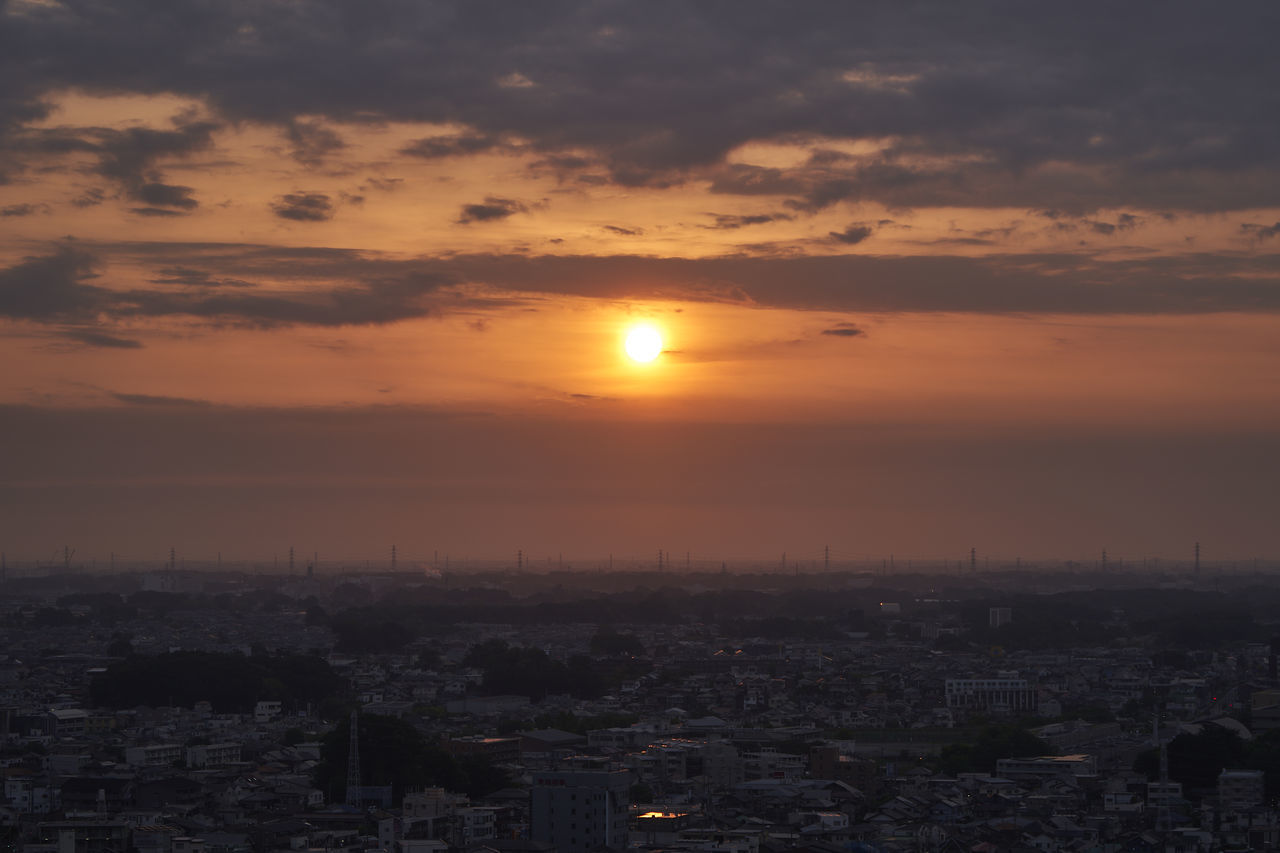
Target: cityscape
pixel 505 710
pixel 639 426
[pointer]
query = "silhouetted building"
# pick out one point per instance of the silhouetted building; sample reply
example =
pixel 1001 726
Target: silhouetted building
pixel 580 810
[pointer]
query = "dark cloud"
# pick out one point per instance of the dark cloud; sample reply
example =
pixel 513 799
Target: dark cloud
pixel 166 195
pixel 336 287
pixel 624 232
pixel 435 147
pixel 727 222
pixel 52 287
pixel 1006 283
pixel 339 287
pixel 130 157
pixel 90 198
pixel 852 235
pixel 493 209
pixel 1080 107
pixel 154 211
pixel 845 330
pixel 23 209
pixel 384 184
pixel 1260 232
pixel 153 400
pixel 303 207
pixel 196 278
pixel 312 142
pixel 95 338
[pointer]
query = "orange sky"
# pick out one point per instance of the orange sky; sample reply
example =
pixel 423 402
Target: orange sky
pixel 939 259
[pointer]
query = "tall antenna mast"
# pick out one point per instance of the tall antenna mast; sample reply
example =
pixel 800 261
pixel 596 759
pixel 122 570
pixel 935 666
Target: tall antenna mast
pixel 1197 558
pixel 826 558
pixel 393 558
pixel 353 763
pixel 290 559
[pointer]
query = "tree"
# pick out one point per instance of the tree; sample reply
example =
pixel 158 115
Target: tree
pixel 393 752
pixel 991 744
pixel 1196 759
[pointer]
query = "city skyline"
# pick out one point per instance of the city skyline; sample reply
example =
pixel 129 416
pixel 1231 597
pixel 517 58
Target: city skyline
pixel 926 278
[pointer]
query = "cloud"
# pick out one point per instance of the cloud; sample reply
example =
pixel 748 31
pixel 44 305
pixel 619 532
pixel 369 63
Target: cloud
pixel 852 235
pixel 23 209
pixel 189 277
pixel 128 157
pixel 845 330
pixel 89 198
pixel 726 222
pixel 492 210
pixel 435 147
pixel 52 287
pixel 154 211
pixel 1077 107
pixel 55 288
pixel 624 232
pixel 1260 232
pixel 166 195
pixel 94 338
pixel 153 400
pixel 312 142
pixel 332 288
pixel 303 207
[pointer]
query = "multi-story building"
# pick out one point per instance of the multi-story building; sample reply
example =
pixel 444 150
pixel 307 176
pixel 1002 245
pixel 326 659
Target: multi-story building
pixel 1241 789
pixel 580 810
pixel 213 755
pixel 1005 692
pixel 154 755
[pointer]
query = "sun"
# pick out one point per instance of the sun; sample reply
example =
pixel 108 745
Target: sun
pixel 643 343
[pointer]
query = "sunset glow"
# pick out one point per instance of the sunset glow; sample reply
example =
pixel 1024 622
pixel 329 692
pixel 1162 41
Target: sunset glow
pixel 912 284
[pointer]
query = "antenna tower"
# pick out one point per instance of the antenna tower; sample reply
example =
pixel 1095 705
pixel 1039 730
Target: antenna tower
pixel 393 558
pixel 1164 819
pixel 1197 558
pixel 290 559
pixel 353 763
pixel 973 560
